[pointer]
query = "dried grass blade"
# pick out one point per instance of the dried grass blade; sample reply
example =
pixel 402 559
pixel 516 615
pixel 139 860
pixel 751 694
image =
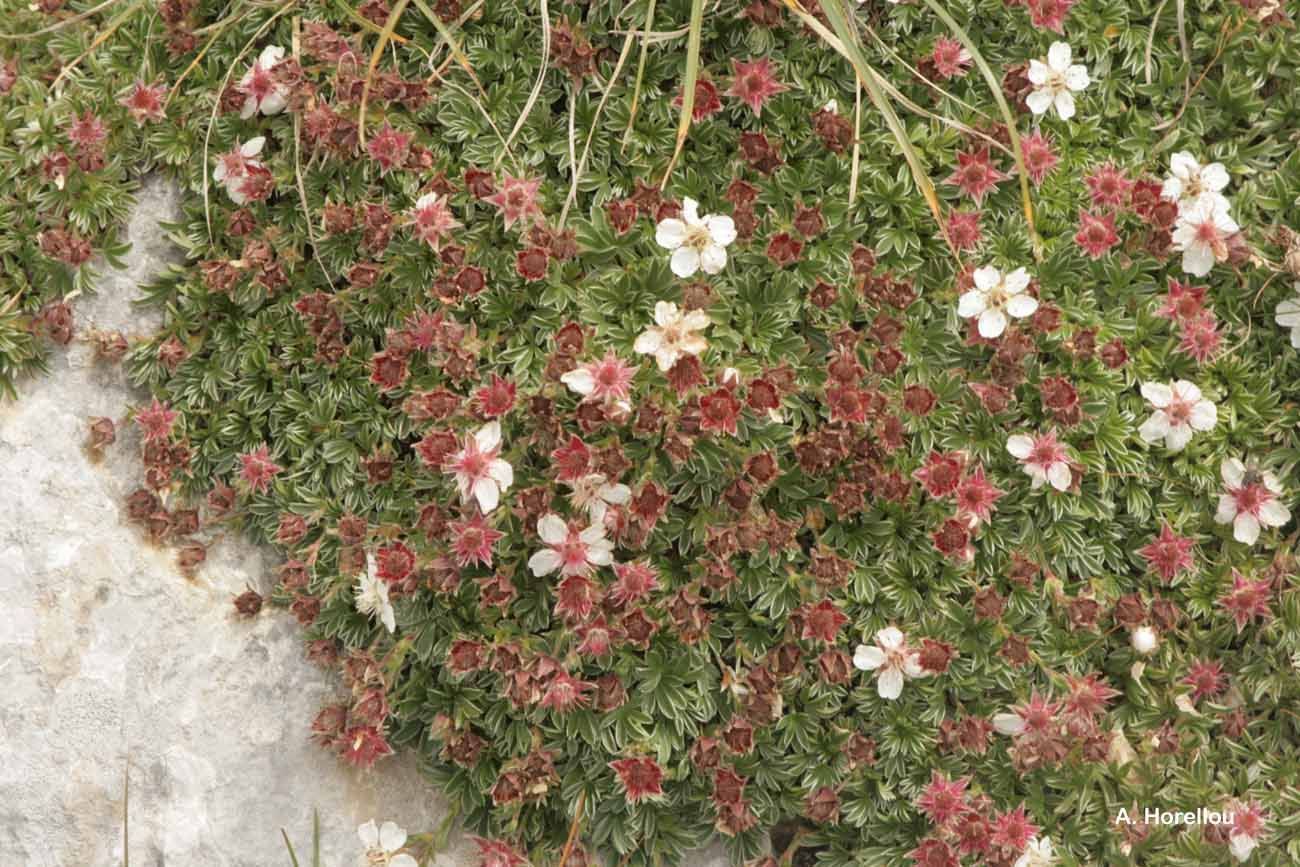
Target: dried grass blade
pixel 693 37
pixel 386 34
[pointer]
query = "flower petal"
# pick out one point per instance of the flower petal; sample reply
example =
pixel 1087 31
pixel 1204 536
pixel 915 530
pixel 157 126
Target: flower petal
pixel 722 229
pixel 1020 446
pixel 581 380
pixel 889 683
pixel 685 261
pixel 1232 471
pixel 867 658
pixel 1059 55
pixel 1245 528
pixel 391 837
pixel 670 233
pixel 992 324
pixel 1154 428
pixel 552 529
pixel 972 303
pixel 713 259
pixel 487 494
pixel 544 562
pixel 1157 394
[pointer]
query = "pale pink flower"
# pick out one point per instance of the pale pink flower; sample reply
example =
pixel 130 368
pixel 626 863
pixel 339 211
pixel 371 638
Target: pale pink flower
pixel 606 379
pixel 674 334
pixel 1180 411
pixel 1189 181
pixel 1202 233
pixel 235 168
pixel 432 220
pixel 594 493
pixel 892 661
pixel 1250 501
pixel 516 198
pixel 383 845
pixel 1044 459
pixel 262 92
pixel 479 470
pixel 1247 827
pixel 570 550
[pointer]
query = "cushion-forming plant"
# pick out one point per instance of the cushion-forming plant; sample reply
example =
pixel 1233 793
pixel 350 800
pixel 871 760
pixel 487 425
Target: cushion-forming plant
pixel 873 421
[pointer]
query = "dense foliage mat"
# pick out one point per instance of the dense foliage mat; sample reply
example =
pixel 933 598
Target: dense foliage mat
pixel 822 452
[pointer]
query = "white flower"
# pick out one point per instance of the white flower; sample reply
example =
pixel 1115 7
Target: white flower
pixel 372 596
pixel 891 659
pixel 1144 640
pixel 382 844
pixel 1043 458
pixel 261 90
pixel 571 551
pixel 1180 410
pixel 673 335
pixel 1055 82
pixel 1288 316
pixel 234 168
pixel 697 242
pixel 1038 853
pixel 479 470
pixel 1189 181
pixel 1241 845
pixel 994 297
pixel 1249 501
pixel 594 493
pixel 1202 233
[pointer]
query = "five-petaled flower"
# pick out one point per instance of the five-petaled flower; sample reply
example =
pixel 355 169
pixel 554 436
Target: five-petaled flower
pixel 1189 181
pixel 480 472
pixel 1202 233
pixel 242 173
pixel 674 335
pixel 697 243
pixel 640 777
pixel 1044 459
pixel 994 297
pixel 372 595
pixel 570 550
pixel 144 102
pixel 1180 411
pixel 384 845
pixel 892 661
pixel 432 220
pixel 1056 80
pixel 607 379
pixel 754 83
pixel 516 199
pixel 1250 500
pixel 262 91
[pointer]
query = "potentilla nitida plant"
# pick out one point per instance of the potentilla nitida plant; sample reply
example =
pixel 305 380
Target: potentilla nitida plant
pixel 652 503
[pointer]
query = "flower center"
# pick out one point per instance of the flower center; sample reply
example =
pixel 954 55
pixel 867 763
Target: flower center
pixel 697 238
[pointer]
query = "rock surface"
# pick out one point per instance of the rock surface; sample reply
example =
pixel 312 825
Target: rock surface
pixel 111 660
pixel 114 665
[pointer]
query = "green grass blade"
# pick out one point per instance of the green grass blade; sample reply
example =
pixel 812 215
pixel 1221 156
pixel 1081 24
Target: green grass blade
pixel 1007 117
pixel 293 856
pixel 315 837
pixel 693 38
pixel 640 74
pixel 845 41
